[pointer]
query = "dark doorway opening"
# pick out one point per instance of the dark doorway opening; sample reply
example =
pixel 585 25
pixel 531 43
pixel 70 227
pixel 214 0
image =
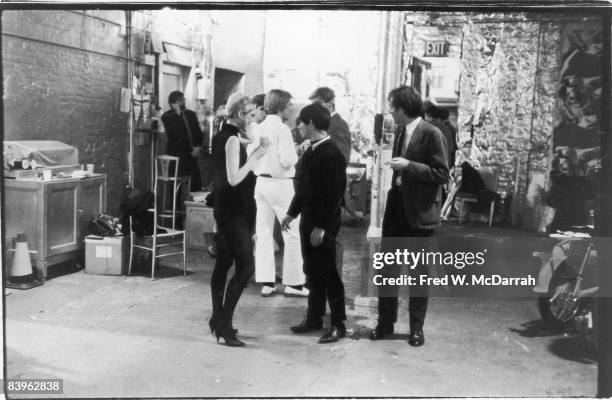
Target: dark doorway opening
pixel 226 83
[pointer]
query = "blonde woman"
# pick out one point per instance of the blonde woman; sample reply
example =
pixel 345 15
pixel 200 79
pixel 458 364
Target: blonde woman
pixel 234 211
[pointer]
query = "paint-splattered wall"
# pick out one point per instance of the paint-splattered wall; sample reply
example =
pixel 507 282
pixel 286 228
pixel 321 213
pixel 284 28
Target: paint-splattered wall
pixel 507 100
pixel 508 94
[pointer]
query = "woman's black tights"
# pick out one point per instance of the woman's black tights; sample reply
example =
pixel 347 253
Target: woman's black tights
pixel 234 243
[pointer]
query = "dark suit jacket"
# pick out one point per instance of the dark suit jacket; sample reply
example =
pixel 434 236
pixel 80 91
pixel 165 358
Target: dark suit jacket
pixel 340 135
pixel 449 140
pixel 420 192
pixel 320 179
pixel 179 143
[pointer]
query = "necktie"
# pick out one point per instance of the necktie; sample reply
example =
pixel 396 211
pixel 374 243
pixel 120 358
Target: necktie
pixel 400 143
pixel 187 127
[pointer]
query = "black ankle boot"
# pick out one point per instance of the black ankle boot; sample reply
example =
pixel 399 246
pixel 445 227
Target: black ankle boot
pixel 228 336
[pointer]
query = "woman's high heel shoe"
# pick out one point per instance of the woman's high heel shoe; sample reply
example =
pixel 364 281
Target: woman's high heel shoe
pixel 230 338
pixel 212 324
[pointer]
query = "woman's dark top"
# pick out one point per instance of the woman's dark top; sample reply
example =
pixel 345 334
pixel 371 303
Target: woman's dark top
pixel 231 200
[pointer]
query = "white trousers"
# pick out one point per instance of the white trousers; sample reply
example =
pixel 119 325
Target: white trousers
pixel 273 197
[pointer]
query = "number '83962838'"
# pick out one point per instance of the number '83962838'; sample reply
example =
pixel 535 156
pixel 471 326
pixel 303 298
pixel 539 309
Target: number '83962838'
pixel 35 386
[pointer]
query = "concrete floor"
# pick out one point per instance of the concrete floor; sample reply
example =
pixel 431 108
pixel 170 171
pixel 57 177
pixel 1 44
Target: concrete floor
pixel 118 336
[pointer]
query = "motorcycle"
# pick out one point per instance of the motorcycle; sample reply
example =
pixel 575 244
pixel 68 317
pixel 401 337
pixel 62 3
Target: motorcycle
pixel 568 278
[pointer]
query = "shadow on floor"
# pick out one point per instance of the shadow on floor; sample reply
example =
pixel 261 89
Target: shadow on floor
pixel 568 346
pixel 363 332
pixel 574 348
pixel 536 328
pixel 161 271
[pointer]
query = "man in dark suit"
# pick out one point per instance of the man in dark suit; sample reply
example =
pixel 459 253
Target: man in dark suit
pixel 338 131
pixel 412 211
pixel 184 138
pixel 434 115
pixel 320 182
pixel 445 117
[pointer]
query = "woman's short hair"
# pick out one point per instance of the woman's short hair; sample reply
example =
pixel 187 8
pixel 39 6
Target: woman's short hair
pixel 407 99
pixel 317 114
pixel 276 101
pixel 236 103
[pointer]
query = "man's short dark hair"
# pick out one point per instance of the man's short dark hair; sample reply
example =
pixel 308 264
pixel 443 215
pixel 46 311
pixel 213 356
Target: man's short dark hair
pixel 407 99
pixel 173 97
pixel 432 110
pixel 258 100
pixel 324 93
pixel 444 114
pixel 317 114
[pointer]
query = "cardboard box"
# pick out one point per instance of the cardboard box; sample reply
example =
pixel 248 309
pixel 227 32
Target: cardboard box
pixel 106 255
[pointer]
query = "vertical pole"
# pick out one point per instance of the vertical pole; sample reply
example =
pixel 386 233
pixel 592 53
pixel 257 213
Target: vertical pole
pixel 380 106
pixel 130 72
pixel 604 222
pixel 376 192
pixel 389 60
pixel 389 71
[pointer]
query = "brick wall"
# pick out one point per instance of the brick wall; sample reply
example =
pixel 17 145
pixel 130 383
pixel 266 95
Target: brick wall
pixel 62 79
pixel 63 73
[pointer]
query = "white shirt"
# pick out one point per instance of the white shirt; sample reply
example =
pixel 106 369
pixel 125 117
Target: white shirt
pixel 409 131
pixel 280 157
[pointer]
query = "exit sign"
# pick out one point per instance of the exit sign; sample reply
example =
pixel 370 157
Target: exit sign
pixel 438 48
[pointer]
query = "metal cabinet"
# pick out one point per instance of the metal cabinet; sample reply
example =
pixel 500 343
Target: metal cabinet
pixel 53 215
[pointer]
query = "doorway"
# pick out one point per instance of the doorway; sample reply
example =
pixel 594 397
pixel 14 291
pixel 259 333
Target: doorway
pixel 420 70
pixel 226 83
pixel 173 78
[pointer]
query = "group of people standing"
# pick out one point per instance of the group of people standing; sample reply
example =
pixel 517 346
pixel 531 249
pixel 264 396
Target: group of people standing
pixel 258 178
pixel 261 174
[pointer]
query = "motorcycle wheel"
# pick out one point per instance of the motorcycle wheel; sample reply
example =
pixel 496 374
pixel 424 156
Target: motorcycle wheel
pixel 559 307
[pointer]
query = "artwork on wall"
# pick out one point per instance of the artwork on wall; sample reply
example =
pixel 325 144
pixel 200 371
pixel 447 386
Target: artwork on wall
pixel 576 140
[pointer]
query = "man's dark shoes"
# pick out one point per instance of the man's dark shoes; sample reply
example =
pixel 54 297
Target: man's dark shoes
pixel 381 331
pixel 307 325
pixel 334 334
pixel 417 338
